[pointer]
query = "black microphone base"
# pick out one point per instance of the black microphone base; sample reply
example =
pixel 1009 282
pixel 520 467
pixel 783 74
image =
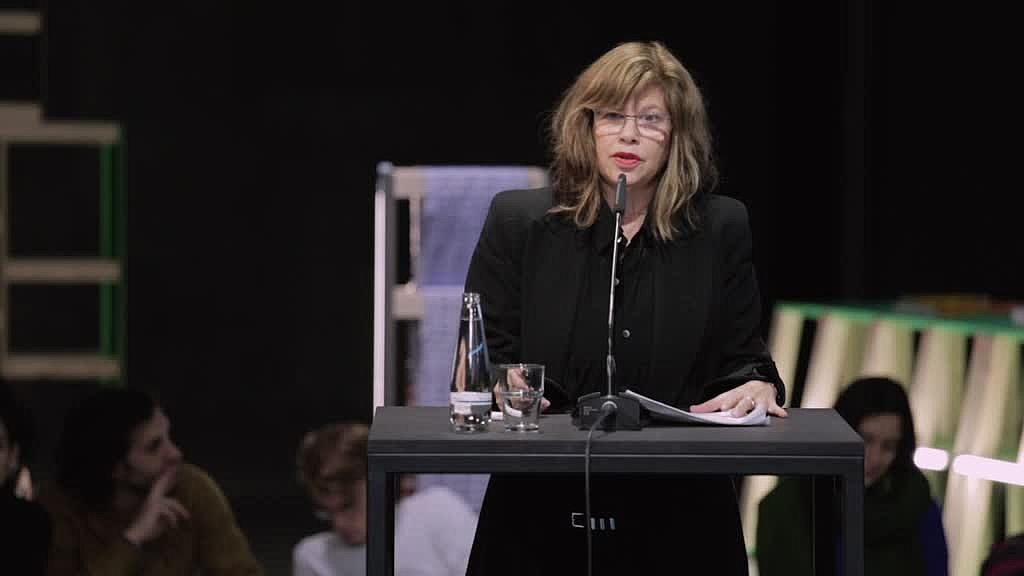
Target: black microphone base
pixel 589 409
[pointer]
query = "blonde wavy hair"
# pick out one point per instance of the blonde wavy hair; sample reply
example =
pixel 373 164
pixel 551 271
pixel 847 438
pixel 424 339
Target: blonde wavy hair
pixel 608 83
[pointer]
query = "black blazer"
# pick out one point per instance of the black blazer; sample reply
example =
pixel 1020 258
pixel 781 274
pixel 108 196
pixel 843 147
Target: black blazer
pixel 707 310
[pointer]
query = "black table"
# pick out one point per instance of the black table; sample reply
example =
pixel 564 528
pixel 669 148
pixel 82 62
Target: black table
pixel 414 439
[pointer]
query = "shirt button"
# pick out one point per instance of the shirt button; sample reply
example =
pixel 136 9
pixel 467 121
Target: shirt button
pixel 625 333
pixel 616 281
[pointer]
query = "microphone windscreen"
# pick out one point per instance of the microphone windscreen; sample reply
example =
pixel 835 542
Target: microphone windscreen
pixel 620 194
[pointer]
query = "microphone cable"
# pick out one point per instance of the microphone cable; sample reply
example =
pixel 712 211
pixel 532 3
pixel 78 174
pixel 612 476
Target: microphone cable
pixel 607 409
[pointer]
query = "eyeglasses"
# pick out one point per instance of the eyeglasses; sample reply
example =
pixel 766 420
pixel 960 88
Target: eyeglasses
pixel 326 511
pixel 650 124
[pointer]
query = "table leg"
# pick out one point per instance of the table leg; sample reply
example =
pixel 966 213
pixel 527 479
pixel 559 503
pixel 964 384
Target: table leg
pixel 380 521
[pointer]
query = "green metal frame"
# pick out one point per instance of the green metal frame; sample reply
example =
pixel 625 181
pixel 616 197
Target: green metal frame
pixel 981 323
pixel 112 245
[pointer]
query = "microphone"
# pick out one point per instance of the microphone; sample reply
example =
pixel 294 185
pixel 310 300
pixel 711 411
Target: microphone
pixel 620 197
pixel 617 411
pixel 620 208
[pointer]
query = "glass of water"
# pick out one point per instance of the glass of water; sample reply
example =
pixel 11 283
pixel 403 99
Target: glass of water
pixel 519 390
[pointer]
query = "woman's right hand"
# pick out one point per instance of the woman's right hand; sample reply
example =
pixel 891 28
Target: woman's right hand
pixel 517 382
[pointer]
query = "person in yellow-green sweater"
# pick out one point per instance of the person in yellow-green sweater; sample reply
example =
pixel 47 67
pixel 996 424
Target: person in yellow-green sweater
pixel 125 502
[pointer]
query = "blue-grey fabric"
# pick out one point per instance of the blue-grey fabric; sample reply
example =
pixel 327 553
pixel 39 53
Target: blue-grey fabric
pixel 455 204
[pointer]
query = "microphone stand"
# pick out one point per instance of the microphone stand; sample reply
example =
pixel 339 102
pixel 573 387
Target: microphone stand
pixel 617 412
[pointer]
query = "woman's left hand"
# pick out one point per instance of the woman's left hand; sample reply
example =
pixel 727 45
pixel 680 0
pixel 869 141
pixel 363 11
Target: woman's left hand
pixel 742 400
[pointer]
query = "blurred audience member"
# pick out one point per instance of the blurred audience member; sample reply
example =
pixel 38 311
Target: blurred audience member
pixel 434 527
pixel 903 531
pixel 1006 558
pixel 127 503
pixel 24 526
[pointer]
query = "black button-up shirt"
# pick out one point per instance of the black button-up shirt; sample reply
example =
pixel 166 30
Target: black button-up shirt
pixel 634 308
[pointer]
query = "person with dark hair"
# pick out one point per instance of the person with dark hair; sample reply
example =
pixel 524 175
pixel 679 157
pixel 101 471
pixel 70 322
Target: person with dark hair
pixel 1006 558
pixel 433 527
pixel 903 531
pixel 126 502
pixel 24 526
pixel 687 316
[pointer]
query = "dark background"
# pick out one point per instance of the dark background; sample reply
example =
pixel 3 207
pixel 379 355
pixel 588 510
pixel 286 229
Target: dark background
pixel 874 146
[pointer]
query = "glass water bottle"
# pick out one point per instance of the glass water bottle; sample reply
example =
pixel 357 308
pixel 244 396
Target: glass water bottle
pixel 471 394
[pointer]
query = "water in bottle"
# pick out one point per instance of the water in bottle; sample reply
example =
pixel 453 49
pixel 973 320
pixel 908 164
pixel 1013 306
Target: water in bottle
pixel 471 395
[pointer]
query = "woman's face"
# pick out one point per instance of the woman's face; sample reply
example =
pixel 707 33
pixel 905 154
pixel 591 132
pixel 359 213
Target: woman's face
pixel 634 140
pixel 882 434
pixel 344 506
